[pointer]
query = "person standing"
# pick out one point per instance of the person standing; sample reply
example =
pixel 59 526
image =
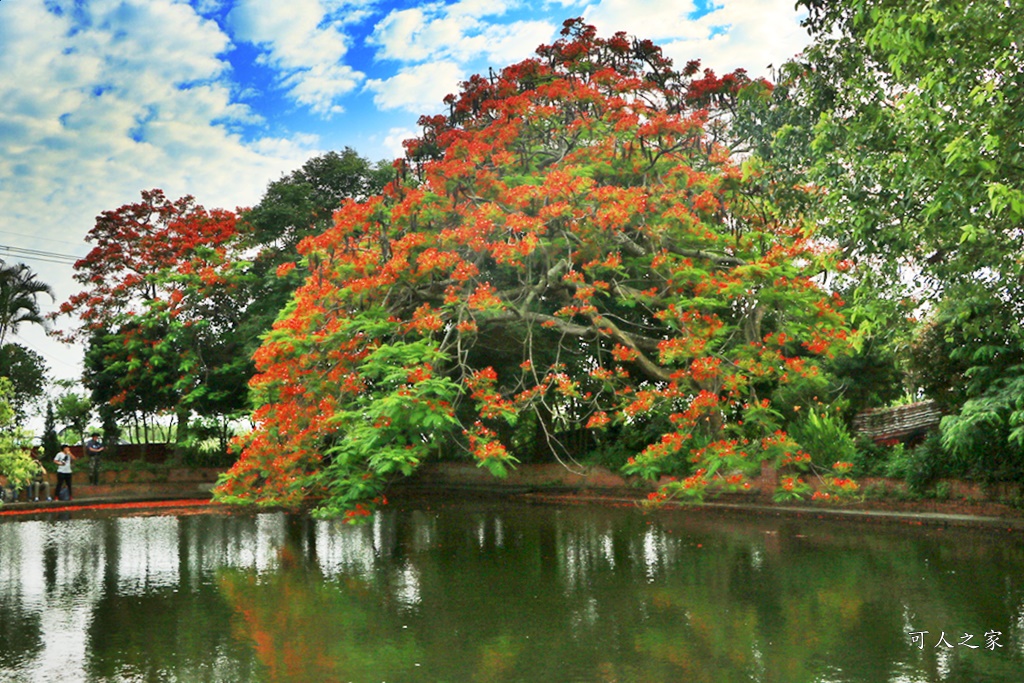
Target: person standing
pixel 63 461
pixel 93 449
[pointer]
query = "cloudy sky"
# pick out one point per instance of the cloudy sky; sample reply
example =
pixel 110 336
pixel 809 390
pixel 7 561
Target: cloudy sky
pixel 100 99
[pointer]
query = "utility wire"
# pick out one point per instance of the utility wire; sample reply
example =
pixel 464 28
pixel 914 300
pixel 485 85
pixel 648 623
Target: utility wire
pixel 39 255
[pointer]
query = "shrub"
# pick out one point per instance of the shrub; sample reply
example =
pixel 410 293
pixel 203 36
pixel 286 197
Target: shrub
pixel 825 438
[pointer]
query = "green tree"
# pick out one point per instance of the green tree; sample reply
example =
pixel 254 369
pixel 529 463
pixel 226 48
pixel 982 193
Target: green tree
pixel 16 462
pixel 163 301
pixel 296 206
pixel 50 442
pixel 905 116
pixel 19 298
pixel 73 411
pixel 26 370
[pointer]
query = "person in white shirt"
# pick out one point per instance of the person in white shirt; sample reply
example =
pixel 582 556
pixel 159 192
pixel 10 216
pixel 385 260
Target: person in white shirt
pixel 63 461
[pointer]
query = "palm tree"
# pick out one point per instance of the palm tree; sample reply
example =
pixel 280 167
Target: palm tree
pixel 19 293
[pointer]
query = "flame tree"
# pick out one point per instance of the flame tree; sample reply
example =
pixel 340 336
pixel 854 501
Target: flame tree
pixel 573 244
pixel 163 295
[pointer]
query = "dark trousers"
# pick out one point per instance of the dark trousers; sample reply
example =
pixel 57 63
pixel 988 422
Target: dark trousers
pixel 63 479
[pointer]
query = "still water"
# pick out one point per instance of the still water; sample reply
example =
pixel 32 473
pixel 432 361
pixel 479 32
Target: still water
pixel 458 592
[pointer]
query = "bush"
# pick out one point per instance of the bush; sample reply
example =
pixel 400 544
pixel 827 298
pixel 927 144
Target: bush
pixel 922 465
pixel 825 438
pixel 871 459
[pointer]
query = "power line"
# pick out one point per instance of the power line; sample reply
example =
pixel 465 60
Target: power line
pixel 40 237
pixel 39 255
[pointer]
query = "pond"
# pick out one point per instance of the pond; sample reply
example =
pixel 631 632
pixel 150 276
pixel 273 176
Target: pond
pixel 460 591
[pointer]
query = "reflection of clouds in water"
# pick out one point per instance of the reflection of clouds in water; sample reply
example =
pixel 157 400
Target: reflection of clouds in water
pixel 242 542
pixel 79 547
pixel 269 539
pixel 499 533
pixel 21 565
pixel 345 549
pixel 584 548
pixel 653 550
pixel 424 531
pixel 149 554
pixel 756 559
pixel 407 586
pixel 52 572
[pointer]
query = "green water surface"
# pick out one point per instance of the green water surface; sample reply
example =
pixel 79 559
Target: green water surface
pixel 459 591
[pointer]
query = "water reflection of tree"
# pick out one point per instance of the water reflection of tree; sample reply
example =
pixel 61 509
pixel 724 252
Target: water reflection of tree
pixel 304 627
pixel 20 631
pixel 835 602
pixel 597 596
pixel 162 631
pixel 501 593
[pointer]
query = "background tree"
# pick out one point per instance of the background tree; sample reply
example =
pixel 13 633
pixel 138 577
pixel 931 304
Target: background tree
pixel 19 298
pixel 49 442
pixel 72 411
pixel 27 372
pixel 294 207
pixel 165 293
pixel 573 245
pixel 16 461
pixel 906 118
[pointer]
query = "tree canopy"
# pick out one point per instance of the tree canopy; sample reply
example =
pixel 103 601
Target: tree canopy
pixel 19 298
pixel 163 295
pixel 300 204
pixel 574 244
pixel 905 117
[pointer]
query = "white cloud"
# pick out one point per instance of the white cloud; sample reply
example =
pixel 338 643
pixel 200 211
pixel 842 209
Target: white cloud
pixel 749 34
pixel 760 32
pixel 652 19
pixel 101 100
pixel 459 33
pixel 392 142
pixel 418 88
pixel 304 44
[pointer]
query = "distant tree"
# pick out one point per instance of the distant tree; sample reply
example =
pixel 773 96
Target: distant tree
pixel 27 372
pixel 294 207
pixel 16 461
pixel 50 441
pixel 73 411
pixel 19 298
pixel 163 300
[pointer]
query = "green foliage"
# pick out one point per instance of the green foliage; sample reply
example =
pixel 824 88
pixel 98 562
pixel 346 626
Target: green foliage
pixel 207 444
pixel 72 412
pixel 791 488
pixel 16 461
pixel 823 435
pixel 50 442
pixel 870 459
pixel 923 464
pixel 27 371
pixel 868 378
pixel 19 298
pixel 903 115
pixel 296 206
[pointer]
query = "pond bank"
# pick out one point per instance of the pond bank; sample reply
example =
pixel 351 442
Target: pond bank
pixel 554 484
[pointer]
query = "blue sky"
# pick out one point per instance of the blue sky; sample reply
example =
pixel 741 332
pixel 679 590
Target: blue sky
pixel 100 99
